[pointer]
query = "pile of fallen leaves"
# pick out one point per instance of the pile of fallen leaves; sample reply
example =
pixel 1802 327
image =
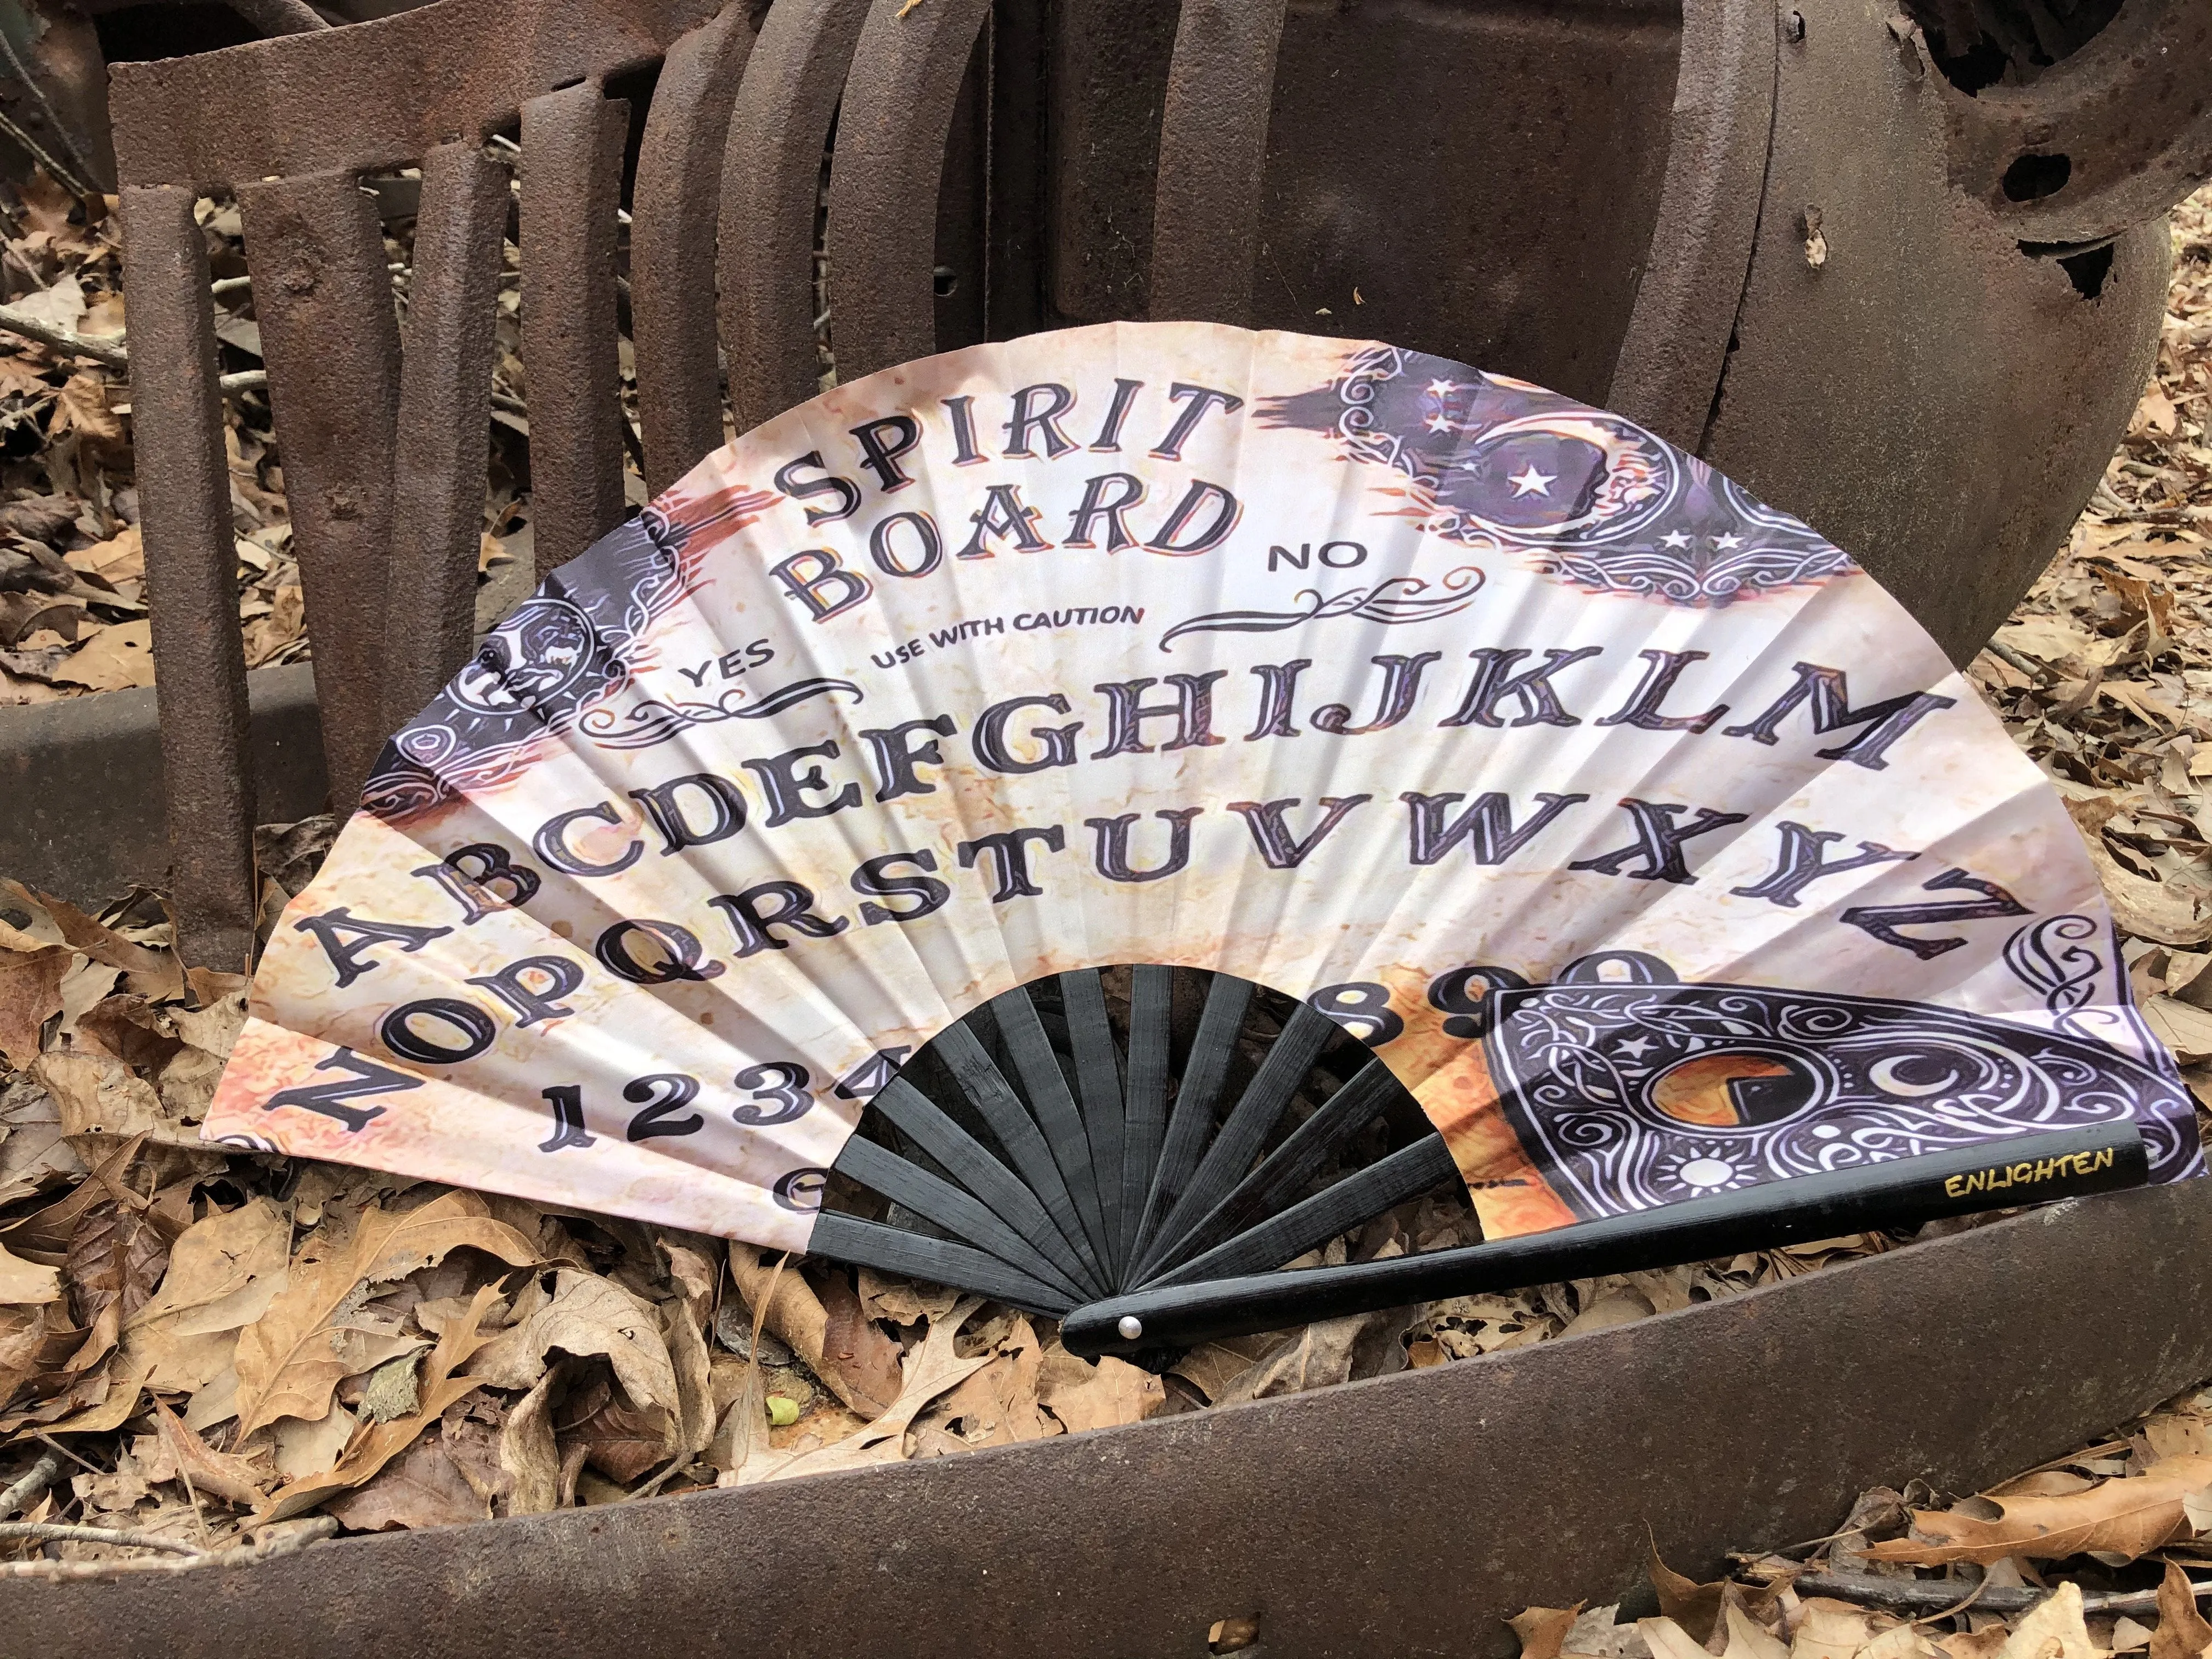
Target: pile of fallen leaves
pixel 2104 673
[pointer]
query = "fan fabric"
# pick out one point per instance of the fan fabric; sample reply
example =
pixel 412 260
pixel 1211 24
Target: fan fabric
pixel 1648 840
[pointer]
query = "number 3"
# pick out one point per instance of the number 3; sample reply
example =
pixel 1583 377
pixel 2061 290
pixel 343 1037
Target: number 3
pixel 782 1084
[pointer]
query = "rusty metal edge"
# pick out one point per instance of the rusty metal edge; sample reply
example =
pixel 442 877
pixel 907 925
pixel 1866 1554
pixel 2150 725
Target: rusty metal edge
pixel 1406 1515
pixel 81 795
pixel 375 94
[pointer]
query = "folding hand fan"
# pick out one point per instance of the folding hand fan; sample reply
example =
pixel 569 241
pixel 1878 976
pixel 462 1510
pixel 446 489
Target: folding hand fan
pixel 756 876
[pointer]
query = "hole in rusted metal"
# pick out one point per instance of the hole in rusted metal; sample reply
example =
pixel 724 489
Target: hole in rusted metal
pixel 2031 177
pixel 1979 43
pixel 2086 264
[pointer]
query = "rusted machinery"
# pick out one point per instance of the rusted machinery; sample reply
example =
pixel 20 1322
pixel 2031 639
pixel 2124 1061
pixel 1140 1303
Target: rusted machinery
pixel 1898 271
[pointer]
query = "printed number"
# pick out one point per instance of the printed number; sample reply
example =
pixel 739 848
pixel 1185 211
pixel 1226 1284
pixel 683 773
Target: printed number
pixel 567 1100
pixel 782 1084
pixel 675 1093
pixel 866 1080
pixel 1362 1007
pixel 1464 996
pixel 801 1190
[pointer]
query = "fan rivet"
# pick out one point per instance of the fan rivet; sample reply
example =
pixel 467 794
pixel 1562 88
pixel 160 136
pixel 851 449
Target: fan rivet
pixel 1131 1327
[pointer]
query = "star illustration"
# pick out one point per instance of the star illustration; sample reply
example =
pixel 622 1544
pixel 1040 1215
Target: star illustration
pixel 1675 539
pixel 1532 483
pixel 1442 388
pixel 1635 1048
pixel 1437 423
pixel 1728 544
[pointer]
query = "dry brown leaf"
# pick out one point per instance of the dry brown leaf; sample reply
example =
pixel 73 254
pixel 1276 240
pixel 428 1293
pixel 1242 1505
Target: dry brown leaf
pixel 793 1315
pixel 100 1095
pixel 30 995
pixel 2126 1517
pixel 852 1344
pixel 999 1405
pixel 931 1368
pixel 1695 1607
pixel 2053 1629
pixel 1828 1630
pixel 223 1475
pixel 82 408
pixel 1083 1395
pixel 287 1359
pixel 1543 1630
pixel 115 658
pixel 1749 1639
pixel 623 1443
pixel 28 1282
pixel 2181 1631
pixel 527 1453
pixel 375 1445
pixel 1669 1640
pixel 586 1314
pixel 424 1488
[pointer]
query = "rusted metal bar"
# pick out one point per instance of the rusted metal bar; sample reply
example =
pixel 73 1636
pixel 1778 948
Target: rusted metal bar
pixel 771 178
pixel 673 210
pixel 1409 1515
pixel 572 163
pixel 1670 363
pixel 891 131
pixel 445 412
pixel 331 345
pixel 1213 154
pixel 183 492
pixel 373 95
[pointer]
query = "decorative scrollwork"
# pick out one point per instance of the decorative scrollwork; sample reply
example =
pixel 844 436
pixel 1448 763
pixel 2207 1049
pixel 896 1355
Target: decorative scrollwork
pixel 1503 466
pixel 2050 956
pixel 645 723
pixel 1631 1096
pixel 1399 600
pixel 561 655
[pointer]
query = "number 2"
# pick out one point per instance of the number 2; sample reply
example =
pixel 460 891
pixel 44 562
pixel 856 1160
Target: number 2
pixel 676 1092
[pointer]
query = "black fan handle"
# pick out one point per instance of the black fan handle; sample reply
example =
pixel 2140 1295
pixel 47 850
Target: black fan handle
pixel 2030 1169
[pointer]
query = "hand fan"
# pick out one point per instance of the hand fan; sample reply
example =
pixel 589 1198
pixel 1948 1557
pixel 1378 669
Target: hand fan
pixel 1387 728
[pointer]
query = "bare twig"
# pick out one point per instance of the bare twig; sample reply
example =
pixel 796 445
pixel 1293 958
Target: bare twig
pixel 288 1543
pixel 51 1532
pixel 1933 1596
pixel 111 352
pixel 25 1493
pixel 2028 665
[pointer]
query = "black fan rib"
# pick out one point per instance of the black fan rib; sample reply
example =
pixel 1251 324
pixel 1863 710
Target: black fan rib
pixel 959 1212
pixel 970 1164
pixel 1404 1173
pixel 1046 1085
pixel 993 1098
pixel 1145 1095
pixel 1207 1069
pixel 844 1238
pixel 1098 1085
pixel 1257 1111
pixel 1365 1097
